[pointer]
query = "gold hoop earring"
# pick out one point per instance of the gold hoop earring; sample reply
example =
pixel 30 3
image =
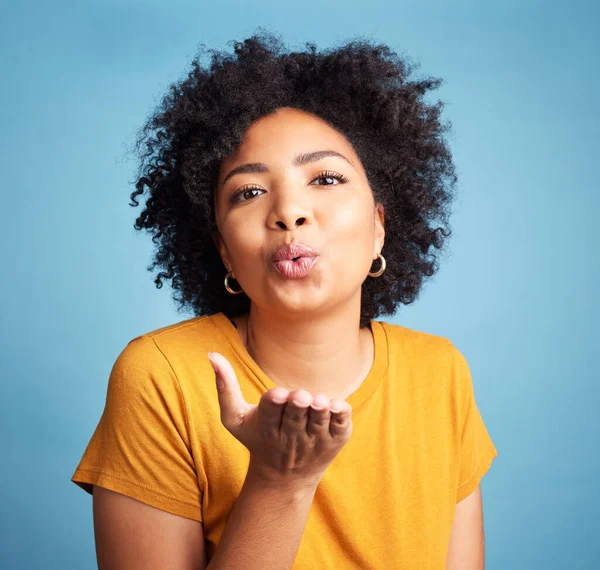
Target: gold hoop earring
pixel 381 269
pixel 228 287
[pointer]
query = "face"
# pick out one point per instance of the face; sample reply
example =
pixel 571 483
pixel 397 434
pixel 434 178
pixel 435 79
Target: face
pixel 322 202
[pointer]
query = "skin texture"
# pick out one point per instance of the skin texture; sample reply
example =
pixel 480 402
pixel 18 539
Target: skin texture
pixel 303 333
pixel 131 535
pixel 292 437
pixel 467 542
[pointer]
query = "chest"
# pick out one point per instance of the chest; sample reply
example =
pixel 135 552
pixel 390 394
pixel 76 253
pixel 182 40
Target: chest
pixel 386 501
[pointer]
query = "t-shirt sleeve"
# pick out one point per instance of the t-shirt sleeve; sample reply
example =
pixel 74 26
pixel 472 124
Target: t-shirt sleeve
pixel 141 445
pixel 477 451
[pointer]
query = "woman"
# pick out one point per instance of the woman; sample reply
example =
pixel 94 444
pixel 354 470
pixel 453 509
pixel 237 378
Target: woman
pixel 294 198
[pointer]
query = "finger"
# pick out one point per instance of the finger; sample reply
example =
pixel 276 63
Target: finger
pixel 319 416
pixel 296 412
pixel 341 418
pixel 231 400
pixel 271 407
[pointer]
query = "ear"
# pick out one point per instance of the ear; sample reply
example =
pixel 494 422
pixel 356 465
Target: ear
pixel 220 245
pixel 379 229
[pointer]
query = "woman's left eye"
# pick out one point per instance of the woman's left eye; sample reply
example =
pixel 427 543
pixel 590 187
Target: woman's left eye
pixel 329 175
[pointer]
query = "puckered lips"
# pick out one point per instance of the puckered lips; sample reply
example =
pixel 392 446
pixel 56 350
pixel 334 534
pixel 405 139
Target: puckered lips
pixel 294 260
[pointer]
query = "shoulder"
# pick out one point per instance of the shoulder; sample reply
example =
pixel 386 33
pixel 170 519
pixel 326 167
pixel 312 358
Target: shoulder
pixel 421 345
pixel 162 365
pixel 431 365
pixel 166 348
pixel 187 334
pixel 428 358
pixel 181 330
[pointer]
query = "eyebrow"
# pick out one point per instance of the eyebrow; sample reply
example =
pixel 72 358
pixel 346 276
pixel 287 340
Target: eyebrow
pixel 299 160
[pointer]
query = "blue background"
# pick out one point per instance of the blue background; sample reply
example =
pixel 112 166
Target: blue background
pixel 517 292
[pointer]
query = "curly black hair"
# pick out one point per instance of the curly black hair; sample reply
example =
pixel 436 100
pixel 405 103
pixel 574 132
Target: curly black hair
pixel 363 91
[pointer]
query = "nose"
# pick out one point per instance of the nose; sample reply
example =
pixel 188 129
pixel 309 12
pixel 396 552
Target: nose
pixel 290 226
pixel 288 212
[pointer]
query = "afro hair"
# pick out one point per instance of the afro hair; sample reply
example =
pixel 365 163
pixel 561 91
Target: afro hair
pixel 363 91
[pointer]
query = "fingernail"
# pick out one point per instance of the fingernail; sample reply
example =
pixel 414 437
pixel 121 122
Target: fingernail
pixel 218 379
pixel 212 362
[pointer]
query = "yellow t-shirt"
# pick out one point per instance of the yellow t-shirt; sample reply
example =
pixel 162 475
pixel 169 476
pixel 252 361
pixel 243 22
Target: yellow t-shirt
pixel 418 446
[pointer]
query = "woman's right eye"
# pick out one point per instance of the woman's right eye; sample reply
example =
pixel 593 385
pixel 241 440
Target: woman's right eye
pixel 244 194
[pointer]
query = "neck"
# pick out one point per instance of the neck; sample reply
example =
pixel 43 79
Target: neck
pixel 330 354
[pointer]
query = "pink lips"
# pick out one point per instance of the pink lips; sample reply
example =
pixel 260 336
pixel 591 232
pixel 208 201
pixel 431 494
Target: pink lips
pixel 294 260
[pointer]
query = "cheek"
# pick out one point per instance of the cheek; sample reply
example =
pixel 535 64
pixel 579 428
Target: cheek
pixel 351 223
pixel 243 238
pixel 349 237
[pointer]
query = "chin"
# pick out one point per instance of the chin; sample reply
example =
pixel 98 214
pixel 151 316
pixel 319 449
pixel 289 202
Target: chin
pixel 295 303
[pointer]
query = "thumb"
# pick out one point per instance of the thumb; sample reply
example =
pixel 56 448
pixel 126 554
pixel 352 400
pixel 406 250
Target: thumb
pixel 231 400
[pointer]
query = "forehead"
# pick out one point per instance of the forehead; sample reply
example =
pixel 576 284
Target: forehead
pixel 278 137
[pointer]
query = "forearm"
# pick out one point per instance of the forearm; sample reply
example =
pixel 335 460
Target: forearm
pixel 265 526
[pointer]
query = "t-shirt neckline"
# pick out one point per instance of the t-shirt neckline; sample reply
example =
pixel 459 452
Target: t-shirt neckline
pixel 356 399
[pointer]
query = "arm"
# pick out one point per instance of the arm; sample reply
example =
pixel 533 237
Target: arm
pixel 264 530
pixel 466 550
pixel 265 526
pixel 132 535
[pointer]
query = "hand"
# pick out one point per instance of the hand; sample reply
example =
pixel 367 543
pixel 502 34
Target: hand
pixel 291 436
